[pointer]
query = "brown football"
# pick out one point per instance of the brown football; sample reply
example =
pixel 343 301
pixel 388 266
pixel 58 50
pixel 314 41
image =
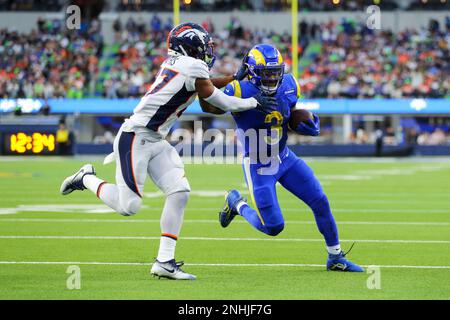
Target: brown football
pixel 299 115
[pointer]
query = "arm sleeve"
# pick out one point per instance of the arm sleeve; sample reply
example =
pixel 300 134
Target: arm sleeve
pixel 229 103
pixel 197 70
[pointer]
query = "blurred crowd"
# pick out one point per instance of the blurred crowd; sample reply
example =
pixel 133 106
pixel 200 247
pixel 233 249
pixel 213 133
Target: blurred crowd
pixel 49 62
pixel 356 62
pixel 235 40
pixel 425 131
pixel 31 5
pixel 141 50
pixel 229 5
pixel 278 5
pixel 350 60
pixel 353 61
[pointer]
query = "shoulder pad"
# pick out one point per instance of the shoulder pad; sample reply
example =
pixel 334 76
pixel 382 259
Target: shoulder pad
pixel 195 68
pixel 295 84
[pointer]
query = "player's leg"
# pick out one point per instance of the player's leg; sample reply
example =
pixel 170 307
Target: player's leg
pixel 131 171
pixel 266 214
pixel 301 181
pixel 167 171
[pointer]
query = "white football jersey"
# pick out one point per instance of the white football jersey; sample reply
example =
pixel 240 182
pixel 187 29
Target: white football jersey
pixel 169 96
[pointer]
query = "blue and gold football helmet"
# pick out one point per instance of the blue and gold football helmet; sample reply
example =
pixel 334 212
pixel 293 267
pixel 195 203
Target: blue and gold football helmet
pixel 265 67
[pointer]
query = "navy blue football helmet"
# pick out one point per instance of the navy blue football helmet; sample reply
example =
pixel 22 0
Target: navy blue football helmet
pixel 191 39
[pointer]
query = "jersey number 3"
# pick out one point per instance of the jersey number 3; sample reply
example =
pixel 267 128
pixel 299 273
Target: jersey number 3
pixel 164 77
pixel 275 129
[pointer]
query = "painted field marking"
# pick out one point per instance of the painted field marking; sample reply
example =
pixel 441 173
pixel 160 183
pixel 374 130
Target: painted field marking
pixel 103 209
pixel 204 264
pixel 223 239
pixel 52 220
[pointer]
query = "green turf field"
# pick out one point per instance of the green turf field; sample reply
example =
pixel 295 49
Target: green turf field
pixel 397 212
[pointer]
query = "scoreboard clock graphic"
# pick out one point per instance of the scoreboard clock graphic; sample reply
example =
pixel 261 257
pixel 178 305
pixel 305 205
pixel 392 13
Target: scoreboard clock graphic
pixel 23 140
pixel 29 143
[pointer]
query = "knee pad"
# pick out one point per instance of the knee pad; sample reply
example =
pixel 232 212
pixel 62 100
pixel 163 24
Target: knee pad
pixel 174 181
pixel 182 197
pixel 274 230
pixel 130 206
pixel 263 197
pixel 268 207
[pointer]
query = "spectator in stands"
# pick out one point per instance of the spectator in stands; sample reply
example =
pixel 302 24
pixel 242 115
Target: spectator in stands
pixel 436 138
pixel 63 139
pixel 379 141
pixel 412 136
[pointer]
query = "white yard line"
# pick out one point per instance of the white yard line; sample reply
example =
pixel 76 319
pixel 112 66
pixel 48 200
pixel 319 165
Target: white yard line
pixel 102 209
pixel 385 210
pixel 222 239
pixel 210 221
pixel 276 265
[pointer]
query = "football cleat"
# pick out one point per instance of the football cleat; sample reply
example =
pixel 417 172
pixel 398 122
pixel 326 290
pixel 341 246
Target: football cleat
pixel 170 270
pixel 338 262
pixel 75 181
pixel 229 211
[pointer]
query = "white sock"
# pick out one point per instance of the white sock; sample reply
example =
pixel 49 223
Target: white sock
pixel 92 182
pixel 239 205
pixel 166 249
pixel 107 192
pixel 334 249
pixel 171 221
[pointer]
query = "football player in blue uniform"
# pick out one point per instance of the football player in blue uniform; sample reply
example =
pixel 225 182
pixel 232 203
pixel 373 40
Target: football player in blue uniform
pixel 264 69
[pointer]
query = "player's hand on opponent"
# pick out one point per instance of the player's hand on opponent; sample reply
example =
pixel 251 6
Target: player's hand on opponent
pixel 243 69
pixel 266 103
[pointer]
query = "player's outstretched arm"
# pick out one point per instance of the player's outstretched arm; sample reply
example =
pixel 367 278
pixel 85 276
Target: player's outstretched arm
pixel 240 74
pixel 207 91
pixel 209 108
pixel 218 83
pixel 222 81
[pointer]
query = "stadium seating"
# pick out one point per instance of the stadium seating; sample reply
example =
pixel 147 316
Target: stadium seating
pixel 412 63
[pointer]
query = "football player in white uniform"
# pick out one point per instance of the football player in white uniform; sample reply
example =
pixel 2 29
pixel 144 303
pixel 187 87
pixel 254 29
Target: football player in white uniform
pixel 140 148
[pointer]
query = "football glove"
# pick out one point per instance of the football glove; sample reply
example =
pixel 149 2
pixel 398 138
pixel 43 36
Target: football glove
pixel 310 127
pixel 266 103
pixel 243 69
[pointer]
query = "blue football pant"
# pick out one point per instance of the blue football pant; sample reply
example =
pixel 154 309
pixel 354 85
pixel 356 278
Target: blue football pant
pixel 298 178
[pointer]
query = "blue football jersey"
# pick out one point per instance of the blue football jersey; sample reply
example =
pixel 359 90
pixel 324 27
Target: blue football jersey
pixel 273 125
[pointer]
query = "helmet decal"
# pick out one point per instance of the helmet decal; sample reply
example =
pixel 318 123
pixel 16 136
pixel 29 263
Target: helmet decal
pixel 258 56
pixel 266 67
pixel 191 33
pixel 183 28
pixel 191 39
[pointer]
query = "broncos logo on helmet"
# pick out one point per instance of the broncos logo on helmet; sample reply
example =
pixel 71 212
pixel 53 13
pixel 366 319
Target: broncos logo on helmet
pixel 191 39
pixel 265 67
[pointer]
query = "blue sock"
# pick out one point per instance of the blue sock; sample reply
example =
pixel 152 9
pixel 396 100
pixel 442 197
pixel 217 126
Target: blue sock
pixel 251 216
